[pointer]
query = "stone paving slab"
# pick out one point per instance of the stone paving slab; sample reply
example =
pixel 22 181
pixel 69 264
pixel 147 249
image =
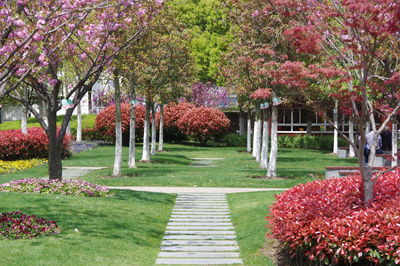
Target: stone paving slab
pixel 199 227
pixel 199 254
pixel 199 248
pixel 198 261
pixel 202 232
pixel 199 223
pixel 199 220
pixel 202 237
pixel 199 242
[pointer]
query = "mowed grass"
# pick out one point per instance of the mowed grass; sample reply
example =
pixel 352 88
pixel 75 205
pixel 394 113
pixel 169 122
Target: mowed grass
pixel 173 168
pixel 248 212
pixel 238 169
pixel 124 229
pixel 87 122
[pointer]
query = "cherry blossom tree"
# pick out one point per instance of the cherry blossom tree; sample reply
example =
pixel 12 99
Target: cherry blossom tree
pixel 83 32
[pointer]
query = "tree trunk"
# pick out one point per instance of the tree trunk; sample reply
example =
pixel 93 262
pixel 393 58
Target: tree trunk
pixel 309 127
pixel 153 130
pixel 161 129
pixel 55 164
pixel 265 141
pixel 44 112
pixel 274 143
pixel 335 131
pixel 79 120
pixel 242 123
pixel 132 135
pixel 118 127
pixel 394 141
pixel 24 121
pixel 248 132
pixel 255 130
pixel 351 137
pixel 146 151
pixel 90 102
pixel 258 139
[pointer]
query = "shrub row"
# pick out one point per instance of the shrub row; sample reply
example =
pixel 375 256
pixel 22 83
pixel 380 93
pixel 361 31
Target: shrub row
pixel 66 187
pixel 327 222
pixel 309 142
pixel 11 166
pixel 17 146
pixel 15 225
pixel 179 119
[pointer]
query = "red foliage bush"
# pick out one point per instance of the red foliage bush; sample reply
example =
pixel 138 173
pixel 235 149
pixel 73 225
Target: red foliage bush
pixel 172 112
pixel 326 221
pixel 203 123
pixel 105 120
pixel 17 146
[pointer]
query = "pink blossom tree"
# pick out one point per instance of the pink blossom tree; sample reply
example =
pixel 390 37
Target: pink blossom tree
pixel 81 33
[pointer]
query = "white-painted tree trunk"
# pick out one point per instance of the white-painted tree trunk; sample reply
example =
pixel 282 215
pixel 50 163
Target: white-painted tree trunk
pixel 351 137
pixel 118 127
pixel 146 135
pixel 248 132
pixel 132 137
pixel 153 130
pixel 265 142
pixel 43 110
pixel 274 143
pixel 255 130
pixel 161 129
pixel 394 143
pixel 335 131
pixel 258 138
pixel 79 123
pixel 24 121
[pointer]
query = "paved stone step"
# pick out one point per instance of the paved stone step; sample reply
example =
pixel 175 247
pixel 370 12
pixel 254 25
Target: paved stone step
pixel 198 261
pixel 202 237
pixel 199 243
pixel 200 199
pixel 201 213
pixel 198 220
pixel 199 248
pixel 200 209
pixel 197 223
pixel 197 232
pixel 185 216
pixel 199 254
pixel 202 204
pixel 199 227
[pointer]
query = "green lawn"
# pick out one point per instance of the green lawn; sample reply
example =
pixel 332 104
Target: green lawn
pixel 124 229
pixel 172 168
pixel 248 212
pixel 87 122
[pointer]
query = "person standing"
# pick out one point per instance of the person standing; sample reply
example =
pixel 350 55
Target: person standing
pixel 369 141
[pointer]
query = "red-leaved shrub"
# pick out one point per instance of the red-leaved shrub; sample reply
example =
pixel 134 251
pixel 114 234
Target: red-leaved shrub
pixel 17 146
pixel 105 120
pixel 203 123
pixel 326 221
pixel 172 113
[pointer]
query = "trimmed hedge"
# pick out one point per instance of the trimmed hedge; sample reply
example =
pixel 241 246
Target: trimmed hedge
pixel 235 140
pixel 172 113
pixel 325 221
pixel 17 146
pixel 204 123
pixel 309 142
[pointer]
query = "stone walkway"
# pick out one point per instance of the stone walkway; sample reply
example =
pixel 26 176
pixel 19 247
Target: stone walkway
pixel 210 190
pixel 200 232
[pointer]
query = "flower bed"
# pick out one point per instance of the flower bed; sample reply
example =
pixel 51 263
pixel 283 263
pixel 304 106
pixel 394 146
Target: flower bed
pixel 66 187
pixel 14 225
pixel 326 221
pixel 11 166
pixel 17 146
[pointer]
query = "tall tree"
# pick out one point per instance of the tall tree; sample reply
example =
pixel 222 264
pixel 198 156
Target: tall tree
pixel 84 30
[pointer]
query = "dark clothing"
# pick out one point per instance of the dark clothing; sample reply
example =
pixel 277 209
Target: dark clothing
pixel 386 136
